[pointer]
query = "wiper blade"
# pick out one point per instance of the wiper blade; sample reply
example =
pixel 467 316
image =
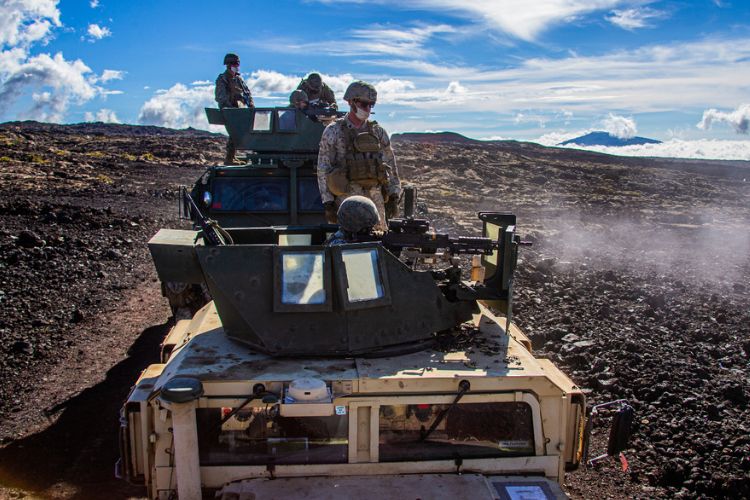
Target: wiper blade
pixel 463 388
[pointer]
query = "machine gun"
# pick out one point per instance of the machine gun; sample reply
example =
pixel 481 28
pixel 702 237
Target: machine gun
pixel 212 232
pixel 413 233
pixel 322 110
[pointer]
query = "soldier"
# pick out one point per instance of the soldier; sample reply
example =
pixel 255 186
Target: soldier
pixel 318 92
pixel 287 119
pixel 356 158
pixel 299 99
pixel 357 218
pixel 232 92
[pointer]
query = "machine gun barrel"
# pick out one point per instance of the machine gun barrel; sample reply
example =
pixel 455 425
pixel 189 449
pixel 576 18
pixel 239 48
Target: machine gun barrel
pixel 207 225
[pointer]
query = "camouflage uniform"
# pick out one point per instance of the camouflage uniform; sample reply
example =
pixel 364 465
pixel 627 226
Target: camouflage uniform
pixel 325 94
pixel 231 89
pixel 333 150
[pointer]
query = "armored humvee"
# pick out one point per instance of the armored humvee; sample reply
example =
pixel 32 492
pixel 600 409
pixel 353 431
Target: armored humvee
pixel 374 369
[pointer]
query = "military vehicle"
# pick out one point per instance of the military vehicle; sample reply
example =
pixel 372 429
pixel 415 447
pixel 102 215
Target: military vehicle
pixel 378 368
pixel 276 185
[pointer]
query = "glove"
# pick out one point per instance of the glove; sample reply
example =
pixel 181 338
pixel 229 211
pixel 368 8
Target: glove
pixel 391 207
pixel 330 208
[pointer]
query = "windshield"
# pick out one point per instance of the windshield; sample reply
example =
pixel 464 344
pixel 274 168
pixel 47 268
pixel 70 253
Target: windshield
pixel 470 430
pixel 250 194
pixel 260 436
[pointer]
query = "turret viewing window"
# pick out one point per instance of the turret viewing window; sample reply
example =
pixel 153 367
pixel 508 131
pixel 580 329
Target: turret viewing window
pixel 262 121
pixel 287 120
pixel 302 280
pixel 361 275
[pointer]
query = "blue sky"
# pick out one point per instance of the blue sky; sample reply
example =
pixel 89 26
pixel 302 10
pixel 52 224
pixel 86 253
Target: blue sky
pixel 543 70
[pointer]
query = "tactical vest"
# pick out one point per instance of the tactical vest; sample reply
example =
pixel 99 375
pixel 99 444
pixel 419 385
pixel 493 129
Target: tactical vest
pixel 364 158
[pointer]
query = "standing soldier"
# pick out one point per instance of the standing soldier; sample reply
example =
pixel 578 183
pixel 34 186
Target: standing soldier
pixel 356 158
pixel 318 92
pixel 232 92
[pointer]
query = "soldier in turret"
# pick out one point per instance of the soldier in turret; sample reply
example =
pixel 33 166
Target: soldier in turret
pixel 357 217
pixel 318 92
pixel 356 158
pixel 232 92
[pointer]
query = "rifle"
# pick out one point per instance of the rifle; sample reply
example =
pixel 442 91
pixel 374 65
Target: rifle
pixel 211 230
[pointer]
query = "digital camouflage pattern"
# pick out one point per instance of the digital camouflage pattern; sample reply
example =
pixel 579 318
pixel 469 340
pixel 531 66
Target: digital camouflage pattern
pixel 333 148
pixel 324 92
pixel 361 90
pixel 358 213
pixel 231 89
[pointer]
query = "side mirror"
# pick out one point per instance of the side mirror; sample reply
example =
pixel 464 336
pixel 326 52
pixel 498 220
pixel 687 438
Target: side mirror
pixel 619 432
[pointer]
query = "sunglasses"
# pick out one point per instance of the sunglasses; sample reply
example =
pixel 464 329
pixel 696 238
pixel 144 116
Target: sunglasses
pixel 365 104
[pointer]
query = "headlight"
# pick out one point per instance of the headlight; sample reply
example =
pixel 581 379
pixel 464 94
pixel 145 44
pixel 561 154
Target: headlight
pixel 207 198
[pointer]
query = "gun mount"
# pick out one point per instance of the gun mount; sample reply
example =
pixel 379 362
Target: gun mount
pixel 282 291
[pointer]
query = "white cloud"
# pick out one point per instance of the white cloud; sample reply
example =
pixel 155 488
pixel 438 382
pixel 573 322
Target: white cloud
pixel 455 87
pixel 705 149
pixel 111 74
pixel 739 119
pixel 98 32
pixel 620 126
pixel 201 82
pixel 264 82
pixel 382 40
pixel 631 19
pixel 178 107
pixel 103 115
pixel 519 18
pixel 66 78
pixel 23 22
pixel 94 4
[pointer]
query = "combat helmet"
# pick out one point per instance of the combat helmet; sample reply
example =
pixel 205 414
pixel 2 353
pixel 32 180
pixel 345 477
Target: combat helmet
pixel 361 90
pixel 357 213
pixel 231 59
pixel 297 97
pixel 315 81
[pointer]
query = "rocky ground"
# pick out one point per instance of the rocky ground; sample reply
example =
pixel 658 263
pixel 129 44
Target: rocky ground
pixel 637 285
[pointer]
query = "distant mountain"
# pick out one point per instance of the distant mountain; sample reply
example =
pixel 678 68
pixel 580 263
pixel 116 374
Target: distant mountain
pixel 434 137
pixel 605 139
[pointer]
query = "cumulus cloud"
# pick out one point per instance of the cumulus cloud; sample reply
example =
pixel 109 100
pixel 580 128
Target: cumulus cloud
pixel 103 115
pixel 23 22
pixel 455 87
pixel 66 78
pixel 620 126
pixel 631 19
pixel 179 106
pixel 739 119
pixel 94 4
pixel 97 32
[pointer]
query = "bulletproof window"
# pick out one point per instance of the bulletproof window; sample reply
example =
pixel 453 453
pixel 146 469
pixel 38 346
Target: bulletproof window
pixel 469 430
pixel 287 120
pixel 309 195
pixel 492 232
pixel 235 194
pixel 302 280
pixel 361 275
pixel 258 435
pixel 262 120
pixel 299 239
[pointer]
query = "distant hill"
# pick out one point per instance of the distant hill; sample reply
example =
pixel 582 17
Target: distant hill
pixel 605 139
pixel 435 137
